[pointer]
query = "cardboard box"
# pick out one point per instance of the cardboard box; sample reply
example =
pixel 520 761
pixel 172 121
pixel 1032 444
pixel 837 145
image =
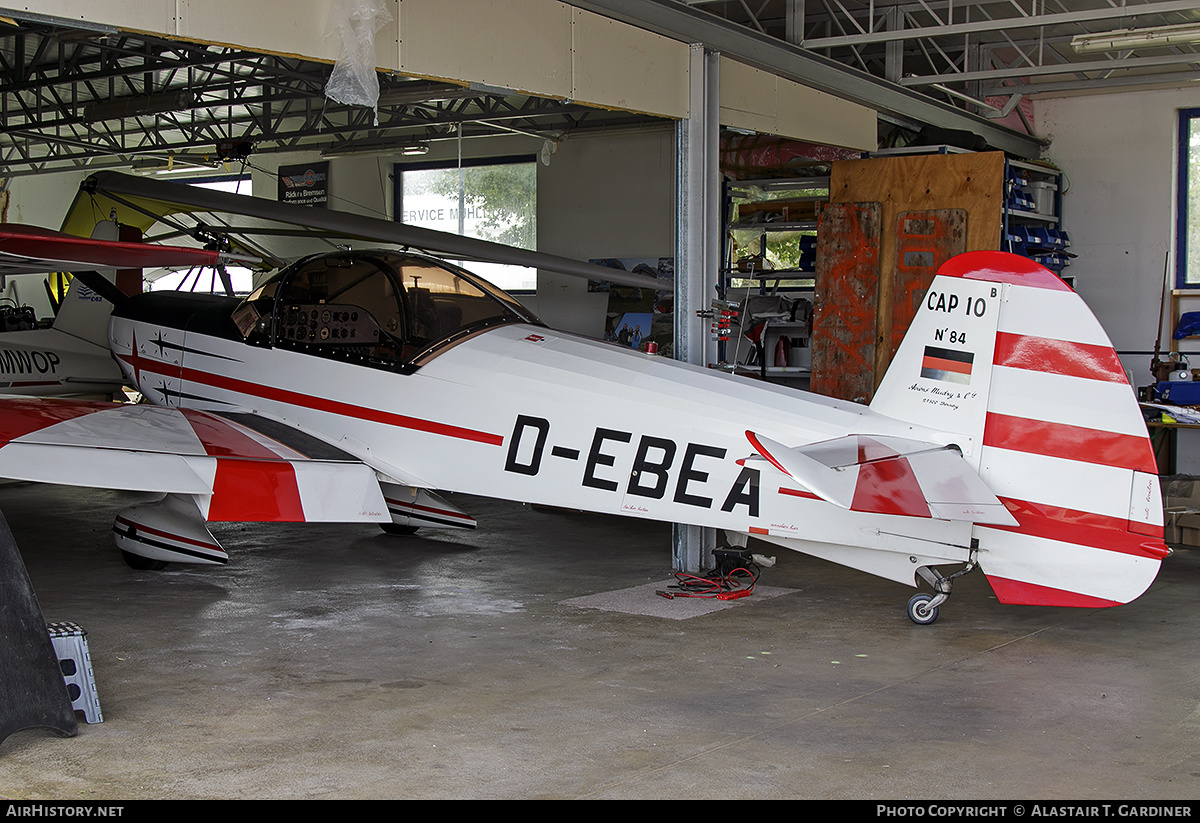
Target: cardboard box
pixel 1181 509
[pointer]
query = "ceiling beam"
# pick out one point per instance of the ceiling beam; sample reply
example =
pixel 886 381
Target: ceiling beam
pixel 1107 84
pixel 1059 68
pixel 1002 24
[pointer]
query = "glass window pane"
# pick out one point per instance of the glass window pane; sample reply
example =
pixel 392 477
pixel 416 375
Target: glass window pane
pixel 1191 239
pixel 489 202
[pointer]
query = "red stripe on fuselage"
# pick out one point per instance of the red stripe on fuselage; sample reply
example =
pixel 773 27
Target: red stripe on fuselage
pixel 1044 354
pixel 323 404
pixel 799 493
pixel 1125 451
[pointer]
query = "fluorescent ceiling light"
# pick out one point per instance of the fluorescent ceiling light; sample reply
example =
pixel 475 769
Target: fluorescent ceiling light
pixel 1158 37
pixel 383 147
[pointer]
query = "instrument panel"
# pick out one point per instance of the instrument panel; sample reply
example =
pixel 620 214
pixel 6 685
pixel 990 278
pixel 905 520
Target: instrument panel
pixel 328 323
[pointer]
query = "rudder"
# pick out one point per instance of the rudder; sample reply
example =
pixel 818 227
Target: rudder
pixel 1007 357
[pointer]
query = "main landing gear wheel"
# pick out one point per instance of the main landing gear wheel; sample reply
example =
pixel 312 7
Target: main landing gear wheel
pixel 393 528
pixel 919 610
pixel 142 564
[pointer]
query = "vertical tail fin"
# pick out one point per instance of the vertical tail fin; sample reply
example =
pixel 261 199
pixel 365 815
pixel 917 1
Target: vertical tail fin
pixel 85 309
pixel 1007 357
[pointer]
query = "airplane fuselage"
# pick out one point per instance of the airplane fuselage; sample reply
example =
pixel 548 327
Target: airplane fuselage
pixel 353 384
pixel 49 363
pixel 526 413
pixel 437 381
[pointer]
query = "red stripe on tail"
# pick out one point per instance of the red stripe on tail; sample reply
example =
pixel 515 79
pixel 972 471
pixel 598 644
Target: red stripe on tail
pixel 1045 354
pixel 1125 451
pixel 1098 531
pixel 1016 593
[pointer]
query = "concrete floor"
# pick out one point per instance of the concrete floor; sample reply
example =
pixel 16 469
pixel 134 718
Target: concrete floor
pixel 337 662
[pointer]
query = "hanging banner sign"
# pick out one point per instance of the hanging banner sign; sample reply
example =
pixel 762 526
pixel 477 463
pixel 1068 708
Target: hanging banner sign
pixel 304 185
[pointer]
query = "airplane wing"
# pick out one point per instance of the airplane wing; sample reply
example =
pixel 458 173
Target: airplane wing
pixel 888 475
pixel 31 250
pixel 232 472
pixel 251 222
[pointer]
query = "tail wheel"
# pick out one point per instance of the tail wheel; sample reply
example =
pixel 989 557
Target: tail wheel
pixel 395 528
pixel 919 610
pixel 142 564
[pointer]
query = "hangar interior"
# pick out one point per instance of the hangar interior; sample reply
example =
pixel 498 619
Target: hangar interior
pixel 533 656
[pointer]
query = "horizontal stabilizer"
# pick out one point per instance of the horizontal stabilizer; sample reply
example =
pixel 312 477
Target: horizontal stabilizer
pixel 888 475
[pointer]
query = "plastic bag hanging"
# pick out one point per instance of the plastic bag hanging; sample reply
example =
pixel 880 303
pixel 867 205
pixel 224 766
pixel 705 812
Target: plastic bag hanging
pixel 353 80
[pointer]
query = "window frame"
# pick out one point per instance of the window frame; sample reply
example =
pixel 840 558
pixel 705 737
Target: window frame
pixel 1186 118
pixel 398 170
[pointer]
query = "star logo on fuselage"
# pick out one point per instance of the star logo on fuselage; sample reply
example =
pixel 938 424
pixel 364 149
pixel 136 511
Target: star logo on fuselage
pixel 137 363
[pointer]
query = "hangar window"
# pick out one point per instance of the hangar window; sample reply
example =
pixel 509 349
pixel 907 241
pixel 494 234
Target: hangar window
pixel 1187 235
pixel 492 199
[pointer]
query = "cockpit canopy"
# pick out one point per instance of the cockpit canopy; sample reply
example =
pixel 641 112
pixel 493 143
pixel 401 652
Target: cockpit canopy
pixel 379 308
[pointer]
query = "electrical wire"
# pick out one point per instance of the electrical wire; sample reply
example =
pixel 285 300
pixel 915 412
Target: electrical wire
pixel 716 585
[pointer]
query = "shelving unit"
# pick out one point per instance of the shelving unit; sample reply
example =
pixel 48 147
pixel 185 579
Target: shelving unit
pixel 1031 221
pixel 773 210
pixel 1031 216
pixel 761 214
pixel 888 223
pixel 1177 298
pixel 799 361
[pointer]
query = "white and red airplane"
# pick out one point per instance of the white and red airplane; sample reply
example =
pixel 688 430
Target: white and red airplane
pixel 354 385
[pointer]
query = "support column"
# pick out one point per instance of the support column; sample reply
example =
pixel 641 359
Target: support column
pixel 697 253
pixel 793 21
pixel 893 50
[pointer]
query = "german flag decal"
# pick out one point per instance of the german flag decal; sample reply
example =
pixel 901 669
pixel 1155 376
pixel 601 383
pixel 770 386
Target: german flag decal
pixel 944 364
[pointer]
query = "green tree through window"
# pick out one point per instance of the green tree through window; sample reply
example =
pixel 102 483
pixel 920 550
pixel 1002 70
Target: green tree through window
pixel 494 201
pixel 1187 265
